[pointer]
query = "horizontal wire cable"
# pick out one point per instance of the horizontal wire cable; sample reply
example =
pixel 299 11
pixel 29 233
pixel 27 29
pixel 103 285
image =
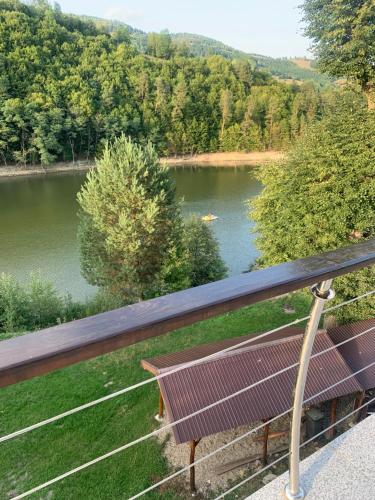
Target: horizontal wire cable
pixel 144 382
pixel 227 398
pixel 253 475
pixel 370 365
pixel 338 422
pixel 349 301
pixel 164 374
pixel 209 455
pixel 262 425
pixel 335 346
pixel 114 452
pixel 157 431
pixel 301 446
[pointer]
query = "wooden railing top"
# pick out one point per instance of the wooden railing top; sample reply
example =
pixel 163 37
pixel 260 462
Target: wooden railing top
pixel 40 352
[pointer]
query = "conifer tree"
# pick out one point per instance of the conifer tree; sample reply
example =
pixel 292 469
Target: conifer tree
pixel 130 222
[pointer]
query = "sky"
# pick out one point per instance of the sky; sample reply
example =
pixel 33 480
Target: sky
pixel 267 27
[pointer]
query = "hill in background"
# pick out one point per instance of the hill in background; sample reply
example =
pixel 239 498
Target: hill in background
pixel 295 69
pixel 71 84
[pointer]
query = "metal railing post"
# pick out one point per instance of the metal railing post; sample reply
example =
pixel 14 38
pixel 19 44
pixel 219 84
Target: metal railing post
pixel 321 292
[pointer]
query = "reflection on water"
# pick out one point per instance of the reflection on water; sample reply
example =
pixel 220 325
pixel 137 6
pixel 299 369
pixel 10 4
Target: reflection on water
pixel 38 221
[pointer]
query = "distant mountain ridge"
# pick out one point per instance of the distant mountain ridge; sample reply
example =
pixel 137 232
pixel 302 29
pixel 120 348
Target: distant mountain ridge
pixel 199 45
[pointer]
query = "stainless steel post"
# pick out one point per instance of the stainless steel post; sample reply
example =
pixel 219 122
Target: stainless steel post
pixel 321 292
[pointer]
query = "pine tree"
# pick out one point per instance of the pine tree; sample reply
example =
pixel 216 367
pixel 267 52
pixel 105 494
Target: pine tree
pixel 130 221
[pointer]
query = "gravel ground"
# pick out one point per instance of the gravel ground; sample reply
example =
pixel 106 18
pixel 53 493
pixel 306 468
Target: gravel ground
pixel 207 480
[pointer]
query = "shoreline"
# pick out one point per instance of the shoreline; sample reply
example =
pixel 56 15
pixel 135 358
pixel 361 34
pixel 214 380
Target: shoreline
pixel 234 159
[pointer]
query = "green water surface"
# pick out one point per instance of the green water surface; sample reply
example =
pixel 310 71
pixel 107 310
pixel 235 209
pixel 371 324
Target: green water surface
pixel 38 221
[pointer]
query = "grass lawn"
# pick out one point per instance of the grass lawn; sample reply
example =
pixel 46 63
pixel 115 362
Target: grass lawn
pixel 54 449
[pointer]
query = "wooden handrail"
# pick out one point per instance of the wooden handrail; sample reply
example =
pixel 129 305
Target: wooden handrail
pixel 40 352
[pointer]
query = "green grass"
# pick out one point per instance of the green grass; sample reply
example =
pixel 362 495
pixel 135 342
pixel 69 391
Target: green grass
pixel 47 452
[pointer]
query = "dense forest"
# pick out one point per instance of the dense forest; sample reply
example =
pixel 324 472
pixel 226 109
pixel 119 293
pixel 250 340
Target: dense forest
pixel 199 45
pixel 67 85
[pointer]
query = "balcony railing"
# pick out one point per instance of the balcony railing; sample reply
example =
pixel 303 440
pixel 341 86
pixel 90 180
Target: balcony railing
pixel 38 353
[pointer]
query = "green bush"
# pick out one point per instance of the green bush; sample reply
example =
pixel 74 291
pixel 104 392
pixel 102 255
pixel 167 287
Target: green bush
pixel 37 304
pixel 45 306
pixel 13 305
pixel 33 305
pixel 203 254
pixel 102 301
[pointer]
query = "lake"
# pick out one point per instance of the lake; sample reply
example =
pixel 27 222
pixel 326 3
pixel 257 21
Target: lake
pixel 38 221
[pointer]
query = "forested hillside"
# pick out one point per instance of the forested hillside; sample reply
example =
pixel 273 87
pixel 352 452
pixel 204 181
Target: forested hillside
pixel 67 85
pixel 282 68
pixel 198 45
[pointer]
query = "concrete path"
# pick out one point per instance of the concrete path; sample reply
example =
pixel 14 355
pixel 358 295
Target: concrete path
pixel 342 470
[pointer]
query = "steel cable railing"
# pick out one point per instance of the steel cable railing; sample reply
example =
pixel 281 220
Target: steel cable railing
pixel 128 445
pixel 145 382
pixel 218 402
pixel 209 455
pixel 302 444
pixel 170 372
pixel 118 450
pixel 370 365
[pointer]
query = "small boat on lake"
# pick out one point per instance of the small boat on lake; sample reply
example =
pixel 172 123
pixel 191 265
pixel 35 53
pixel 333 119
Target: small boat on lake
pixel 209 217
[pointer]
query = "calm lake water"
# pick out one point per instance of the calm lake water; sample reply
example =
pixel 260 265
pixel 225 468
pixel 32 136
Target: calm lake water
pixel 38 221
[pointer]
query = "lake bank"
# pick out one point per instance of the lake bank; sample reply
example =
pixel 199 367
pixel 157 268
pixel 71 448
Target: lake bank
pixel 233 159
pixel 38 223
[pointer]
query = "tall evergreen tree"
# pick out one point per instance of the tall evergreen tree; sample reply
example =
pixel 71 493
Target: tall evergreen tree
pixel 130 221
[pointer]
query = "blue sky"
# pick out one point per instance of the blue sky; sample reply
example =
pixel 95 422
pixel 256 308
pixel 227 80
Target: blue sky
pixel 269 27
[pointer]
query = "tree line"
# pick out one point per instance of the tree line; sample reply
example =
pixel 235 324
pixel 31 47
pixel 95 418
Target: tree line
pixel 67 86
pixel 199 45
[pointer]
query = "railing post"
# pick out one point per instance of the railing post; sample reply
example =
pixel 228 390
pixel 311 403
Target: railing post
pixel 321 292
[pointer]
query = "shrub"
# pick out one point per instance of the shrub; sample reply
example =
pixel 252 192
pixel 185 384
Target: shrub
pixel 14 308
pixel 31 306
pixel 45 306
pixel 102 301
pixel 203 254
